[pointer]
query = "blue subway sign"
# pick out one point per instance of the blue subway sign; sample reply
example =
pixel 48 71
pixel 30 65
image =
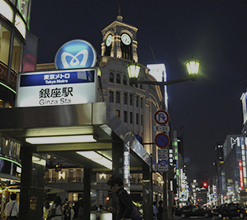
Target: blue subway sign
pixel 59 87
pixel 75 54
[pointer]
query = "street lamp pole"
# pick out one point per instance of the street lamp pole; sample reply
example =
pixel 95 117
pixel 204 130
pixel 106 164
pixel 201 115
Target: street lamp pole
pixel 133 71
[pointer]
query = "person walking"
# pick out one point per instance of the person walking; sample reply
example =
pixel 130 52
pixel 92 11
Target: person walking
pixel 12 208
pixel 58 207
pixel 160 210
pixel 78 209
pixel 124 201
pixel 155 210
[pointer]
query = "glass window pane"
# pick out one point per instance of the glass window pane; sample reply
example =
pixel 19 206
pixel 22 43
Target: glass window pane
pixel 111 77
pixel 118 78
pixel 5 35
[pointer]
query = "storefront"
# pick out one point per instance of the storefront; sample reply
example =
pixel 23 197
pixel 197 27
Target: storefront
pixel 111 139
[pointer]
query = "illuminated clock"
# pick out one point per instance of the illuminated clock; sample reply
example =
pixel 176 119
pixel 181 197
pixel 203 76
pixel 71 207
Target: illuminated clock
pixel 125 38
pixel 108 40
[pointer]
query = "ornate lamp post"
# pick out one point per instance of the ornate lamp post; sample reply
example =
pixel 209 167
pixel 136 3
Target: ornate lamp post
pixel 133 72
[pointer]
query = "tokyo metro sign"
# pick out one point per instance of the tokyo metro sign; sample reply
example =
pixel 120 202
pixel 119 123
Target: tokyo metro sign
pixel 75 54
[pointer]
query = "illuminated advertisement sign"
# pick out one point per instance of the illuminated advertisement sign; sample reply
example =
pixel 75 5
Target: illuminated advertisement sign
pixel 243 98
pixel 6 10
pixel 157 70
pixel 241 179
pixel 57 87
pixel 75 54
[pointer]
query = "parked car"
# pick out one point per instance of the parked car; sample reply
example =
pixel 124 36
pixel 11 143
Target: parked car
pixel 192 210
pixel 215 210
pixel 232 210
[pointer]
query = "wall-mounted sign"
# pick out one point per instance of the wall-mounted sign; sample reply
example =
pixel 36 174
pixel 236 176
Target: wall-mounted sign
pixel 75 54
pixel 57 87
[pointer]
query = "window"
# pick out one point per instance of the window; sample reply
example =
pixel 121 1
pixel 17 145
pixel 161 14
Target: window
pixel 125 98
pixel 131 99
pixel 111 96
pixel 137 118
pixel 131 117
pixel 117 97
pixel 124 79
pixel 141 102
pixel 141 120
pixel 118 113
pixel 111 77
pixel 118 78
pixel 125 116
pixel 4 50
pixel 137 101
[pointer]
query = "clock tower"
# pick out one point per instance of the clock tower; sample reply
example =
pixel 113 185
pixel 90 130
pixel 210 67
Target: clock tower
pixel 119 40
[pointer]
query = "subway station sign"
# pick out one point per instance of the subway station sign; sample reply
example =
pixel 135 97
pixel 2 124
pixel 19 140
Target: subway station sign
pixel 60 87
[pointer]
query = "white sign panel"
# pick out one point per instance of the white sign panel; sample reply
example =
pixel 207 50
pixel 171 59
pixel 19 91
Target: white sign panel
pixel 162 160
pixel 61 87
pixel 164 128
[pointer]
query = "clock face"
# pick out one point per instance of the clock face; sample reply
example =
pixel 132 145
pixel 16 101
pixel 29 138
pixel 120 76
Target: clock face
pixel 108 40
pixel 126 39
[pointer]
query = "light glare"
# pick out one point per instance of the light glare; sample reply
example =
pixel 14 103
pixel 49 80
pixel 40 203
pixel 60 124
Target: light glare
pixel 61 139
pixel 97 158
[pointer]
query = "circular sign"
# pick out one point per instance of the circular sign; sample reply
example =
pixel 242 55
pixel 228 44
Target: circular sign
pixel 162 140
pixel 75 54
pixel 161 117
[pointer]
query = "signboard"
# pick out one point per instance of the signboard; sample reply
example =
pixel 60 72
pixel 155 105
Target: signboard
pixel 163 165
pixel 162 154
pixel 75 54
pixel 162 160
pixel 165 128
pixel 57 87
pixel 162 140
pixel 161 117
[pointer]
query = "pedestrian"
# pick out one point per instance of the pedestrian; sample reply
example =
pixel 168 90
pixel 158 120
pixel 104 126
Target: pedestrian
pixel 125 205
pixel 98 212
pixel 155 210
pixel 58 208
pixel 66 210
pixel 160 210
pixel 78 209
pixel 12 208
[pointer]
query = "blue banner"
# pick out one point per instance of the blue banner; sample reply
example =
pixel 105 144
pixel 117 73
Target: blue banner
pixel 56 78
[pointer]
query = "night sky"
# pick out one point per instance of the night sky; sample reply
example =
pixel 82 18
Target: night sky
pixel 212 31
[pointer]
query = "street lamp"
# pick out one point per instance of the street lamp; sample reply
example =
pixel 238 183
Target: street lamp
pixel 134 70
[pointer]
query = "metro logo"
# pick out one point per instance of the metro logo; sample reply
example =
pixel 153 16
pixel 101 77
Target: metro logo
pixel 75 54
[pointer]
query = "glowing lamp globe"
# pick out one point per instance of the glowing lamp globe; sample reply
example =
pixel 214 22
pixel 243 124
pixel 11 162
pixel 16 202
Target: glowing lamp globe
pixel 133 70
pixel 192 68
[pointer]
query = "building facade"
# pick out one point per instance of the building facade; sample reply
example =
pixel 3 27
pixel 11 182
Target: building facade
pixel 14 26
pixel 134 105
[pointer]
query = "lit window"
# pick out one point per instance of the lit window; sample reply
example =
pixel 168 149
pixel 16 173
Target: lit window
pixel 118 113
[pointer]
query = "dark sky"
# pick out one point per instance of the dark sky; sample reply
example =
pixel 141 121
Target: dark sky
pixel 212 31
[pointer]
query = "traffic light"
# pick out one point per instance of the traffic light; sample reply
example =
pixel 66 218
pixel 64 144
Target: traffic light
pixel 205 184
pixel 58 167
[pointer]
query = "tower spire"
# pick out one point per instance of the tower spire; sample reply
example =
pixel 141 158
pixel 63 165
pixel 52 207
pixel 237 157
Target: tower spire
pixel 119 7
